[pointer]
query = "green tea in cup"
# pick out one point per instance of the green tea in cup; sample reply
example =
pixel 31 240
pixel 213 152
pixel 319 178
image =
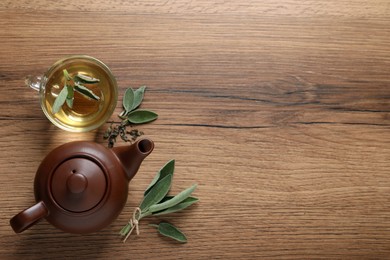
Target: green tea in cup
pixel 85 90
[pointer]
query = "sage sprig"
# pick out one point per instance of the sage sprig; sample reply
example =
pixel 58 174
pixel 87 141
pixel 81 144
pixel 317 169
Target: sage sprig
pixel 130 116
pixel 157 202
pixel 72 84
pixel 131 101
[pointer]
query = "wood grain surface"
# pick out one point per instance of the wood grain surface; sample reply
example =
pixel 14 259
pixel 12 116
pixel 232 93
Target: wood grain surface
pixel 279 110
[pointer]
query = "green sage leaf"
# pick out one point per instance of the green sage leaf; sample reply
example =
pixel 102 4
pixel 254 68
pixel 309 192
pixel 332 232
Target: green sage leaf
pixel 141 116
pixel 85 91
pixel 85 79
pixel 168 197
pixel 60 100
pixel 66 75
pixel 168 168
pixel 178 207
pixel 69 102
pixel 70 96
pixel 138 97
pixel 171 231
pixel 128 100
pixel 175 200
pixel 70 91
pixel 157 193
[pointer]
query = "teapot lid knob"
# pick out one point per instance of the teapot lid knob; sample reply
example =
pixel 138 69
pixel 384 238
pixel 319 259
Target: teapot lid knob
pixel 77 182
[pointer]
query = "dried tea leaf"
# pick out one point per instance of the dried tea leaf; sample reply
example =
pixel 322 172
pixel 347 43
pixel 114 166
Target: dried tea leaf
pixel 168 168
pixel 60 100
pixel 175 200
pixel 171 231
pixel 141 116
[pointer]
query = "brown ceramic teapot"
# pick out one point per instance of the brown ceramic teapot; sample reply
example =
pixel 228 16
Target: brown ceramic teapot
pixel 81 187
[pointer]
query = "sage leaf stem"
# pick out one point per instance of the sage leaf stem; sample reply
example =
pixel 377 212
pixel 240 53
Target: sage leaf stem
pixel 66 75
pixel 125 230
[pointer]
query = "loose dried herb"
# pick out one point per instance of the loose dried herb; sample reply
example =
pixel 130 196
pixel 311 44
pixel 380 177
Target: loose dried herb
pixel 72 84
pixel 156 202
pixel 130 116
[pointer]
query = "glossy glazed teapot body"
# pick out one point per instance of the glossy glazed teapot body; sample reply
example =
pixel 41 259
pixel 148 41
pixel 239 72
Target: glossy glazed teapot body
pixel 81 187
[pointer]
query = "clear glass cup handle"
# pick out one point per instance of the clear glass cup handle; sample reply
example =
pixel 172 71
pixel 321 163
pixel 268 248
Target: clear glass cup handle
pixel 33 82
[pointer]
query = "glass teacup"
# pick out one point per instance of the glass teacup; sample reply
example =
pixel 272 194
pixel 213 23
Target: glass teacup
pixel 83 113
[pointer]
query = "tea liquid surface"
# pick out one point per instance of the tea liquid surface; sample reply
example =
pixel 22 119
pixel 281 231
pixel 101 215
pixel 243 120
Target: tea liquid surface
pixel 86 112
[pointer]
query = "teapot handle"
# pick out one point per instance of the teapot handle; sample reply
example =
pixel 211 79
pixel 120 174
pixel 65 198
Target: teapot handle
pixel 29 217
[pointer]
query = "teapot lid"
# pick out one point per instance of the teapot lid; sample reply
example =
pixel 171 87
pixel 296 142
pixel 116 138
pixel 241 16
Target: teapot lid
pixel 78 184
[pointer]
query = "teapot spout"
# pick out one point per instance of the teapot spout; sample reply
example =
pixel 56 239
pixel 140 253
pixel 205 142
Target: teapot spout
pixel 132 156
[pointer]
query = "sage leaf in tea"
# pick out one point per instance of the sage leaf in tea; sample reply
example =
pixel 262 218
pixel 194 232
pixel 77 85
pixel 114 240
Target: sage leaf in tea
pixel 71 85
pixel 141 116
pixel 85 91
pixel 69 102
pixel 128 100
pixel 60 100
pixel 182 205
pixel 157 193
pixel 70 96
pixel 85 79
pixel 138 97
pixel 175 200
pixel 168 168
pixel 66 75
pixel 171 231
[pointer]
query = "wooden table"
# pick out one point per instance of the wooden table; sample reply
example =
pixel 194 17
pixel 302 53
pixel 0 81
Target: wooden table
pixel 279 110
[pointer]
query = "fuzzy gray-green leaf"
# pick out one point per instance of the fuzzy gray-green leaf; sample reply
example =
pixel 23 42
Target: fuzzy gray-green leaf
pixel 70 96
pixel 138 97
pixel 85 91
pixel 175 200
pixel 141 116
pixel 171 231
pixel 86 79
pixel 128 100
pixel 178 207
pixel 168 168
pixel 60 100
pixel 69 102
pixel 66 75
pixel 157 193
